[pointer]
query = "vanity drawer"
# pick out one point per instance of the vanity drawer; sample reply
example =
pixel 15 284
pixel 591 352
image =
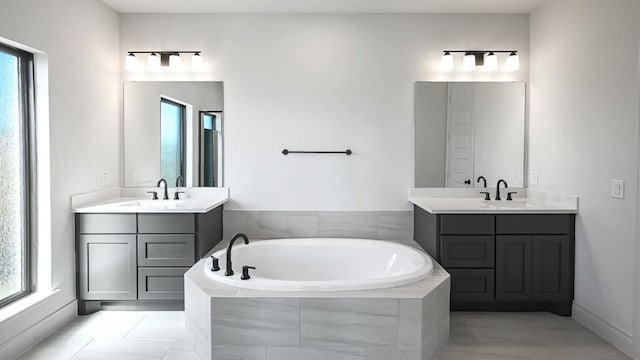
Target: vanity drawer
pixel 107 223
pixel 166 250
pixel 161 283
pixel 166 223
pixel 467 251
pixel 467 224
pixel 472 285
pixel 535 224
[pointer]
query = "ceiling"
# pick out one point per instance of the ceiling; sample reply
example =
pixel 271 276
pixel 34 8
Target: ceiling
pixel 324 6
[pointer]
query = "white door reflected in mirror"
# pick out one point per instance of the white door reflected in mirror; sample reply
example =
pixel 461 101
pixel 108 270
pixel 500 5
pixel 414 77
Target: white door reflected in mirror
pixel 465 130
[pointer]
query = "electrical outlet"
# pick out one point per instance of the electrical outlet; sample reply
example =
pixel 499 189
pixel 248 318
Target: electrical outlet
pixel 105 178
pixel 534 178
pixel 617 189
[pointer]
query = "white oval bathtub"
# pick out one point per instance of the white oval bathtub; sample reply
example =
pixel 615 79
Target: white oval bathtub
pixel 322 265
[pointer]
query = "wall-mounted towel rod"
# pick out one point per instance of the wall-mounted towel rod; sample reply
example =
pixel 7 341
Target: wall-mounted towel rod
pixel 287 152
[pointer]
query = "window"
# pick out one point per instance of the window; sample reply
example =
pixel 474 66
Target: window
pixel 172 142
pixel 210 148
pixel 16 124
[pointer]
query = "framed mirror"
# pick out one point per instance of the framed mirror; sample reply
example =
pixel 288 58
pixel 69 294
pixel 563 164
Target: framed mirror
pixel 173 130
pixel 464 130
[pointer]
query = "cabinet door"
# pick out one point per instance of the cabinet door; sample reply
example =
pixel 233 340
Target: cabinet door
pixel 552 263
pixel 107 267
pixel 513 267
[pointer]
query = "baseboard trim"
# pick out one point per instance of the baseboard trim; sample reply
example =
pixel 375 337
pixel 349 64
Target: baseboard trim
pixel 40 331
pixel 612 334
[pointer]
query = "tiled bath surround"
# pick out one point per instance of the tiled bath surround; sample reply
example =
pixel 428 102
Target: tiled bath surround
pixel 405 323
pixel 266 224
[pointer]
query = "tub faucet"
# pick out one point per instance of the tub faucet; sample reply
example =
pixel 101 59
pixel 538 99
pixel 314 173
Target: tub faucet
pixel 498 188
pixel 229 271
pixel 166 192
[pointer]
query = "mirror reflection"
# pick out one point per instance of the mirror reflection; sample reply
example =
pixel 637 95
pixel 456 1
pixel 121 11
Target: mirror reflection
pixel 173 130
pixel 465 130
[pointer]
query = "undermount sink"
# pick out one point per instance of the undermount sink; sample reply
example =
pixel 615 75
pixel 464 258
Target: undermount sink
pixel 154 204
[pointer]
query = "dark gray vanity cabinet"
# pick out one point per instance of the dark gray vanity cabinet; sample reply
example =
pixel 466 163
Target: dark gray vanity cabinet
pixel 134 260
pixel 107 243
pixel 503 262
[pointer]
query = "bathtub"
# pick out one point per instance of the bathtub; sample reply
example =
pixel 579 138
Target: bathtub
pixel 322 265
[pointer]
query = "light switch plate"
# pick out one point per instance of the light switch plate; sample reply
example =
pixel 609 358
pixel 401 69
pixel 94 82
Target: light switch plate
pixel 617 189
pixel 534 178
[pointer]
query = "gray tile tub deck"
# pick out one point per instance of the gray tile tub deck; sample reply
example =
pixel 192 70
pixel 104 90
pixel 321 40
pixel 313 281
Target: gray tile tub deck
pixel 408 322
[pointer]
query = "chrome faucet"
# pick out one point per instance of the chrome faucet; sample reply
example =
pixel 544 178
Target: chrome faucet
pixel 229 271
pixel 166 192
pixel 498 188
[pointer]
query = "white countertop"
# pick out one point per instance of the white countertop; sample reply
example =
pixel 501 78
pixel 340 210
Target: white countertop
pixel 132 201
pixel 466 201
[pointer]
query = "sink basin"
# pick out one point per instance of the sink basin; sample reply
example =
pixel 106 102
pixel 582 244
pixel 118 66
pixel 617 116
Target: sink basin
pixel 154 204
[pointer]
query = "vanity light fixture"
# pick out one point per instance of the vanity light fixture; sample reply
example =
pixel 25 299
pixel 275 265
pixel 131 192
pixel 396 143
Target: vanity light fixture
pixel 513 62
pixel 469 62
pixel 490 61
pixel 131 62
pixel 175 62
pixel 158 60
pixel 446 63
pixel 196 62
pixel 154 61
pixel 486 59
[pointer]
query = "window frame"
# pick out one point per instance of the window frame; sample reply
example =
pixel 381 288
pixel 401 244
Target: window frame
pixel 29 189
pixel 183 133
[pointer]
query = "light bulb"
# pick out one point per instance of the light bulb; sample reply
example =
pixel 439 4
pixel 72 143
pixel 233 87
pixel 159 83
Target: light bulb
pixel 469 62
pixel 490 62
pixel 131 62
pixel 197 63
pixel 175 62
pixel 446 62
pixel 153 61
pixel 513 62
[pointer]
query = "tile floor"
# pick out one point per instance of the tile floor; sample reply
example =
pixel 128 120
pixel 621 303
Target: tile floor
pixel 159 335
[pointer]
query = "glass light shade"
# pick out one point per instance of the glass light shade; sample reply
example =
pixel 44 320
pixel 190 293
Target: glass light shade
pixel 153 61
pixel 490 62
pixel 196 62
pixel 446 62
pixel 469 62
pixel 513 62
pixel 131 62
pixel 175 62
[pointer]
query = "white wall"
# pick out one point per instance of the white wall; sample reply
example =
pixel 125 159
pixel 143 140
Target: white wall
pixel 583 133
pixel 322 82
pixel 81 40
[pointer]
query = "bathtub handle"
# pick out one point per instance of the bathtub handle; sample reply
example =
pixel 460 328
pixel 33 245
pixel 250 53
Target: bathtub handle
pixel 215 263
pixel 245 272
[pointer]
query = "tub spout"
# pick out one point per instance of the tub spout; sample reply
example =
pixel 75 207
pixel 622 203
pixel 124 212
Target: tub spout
pixel 229 271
